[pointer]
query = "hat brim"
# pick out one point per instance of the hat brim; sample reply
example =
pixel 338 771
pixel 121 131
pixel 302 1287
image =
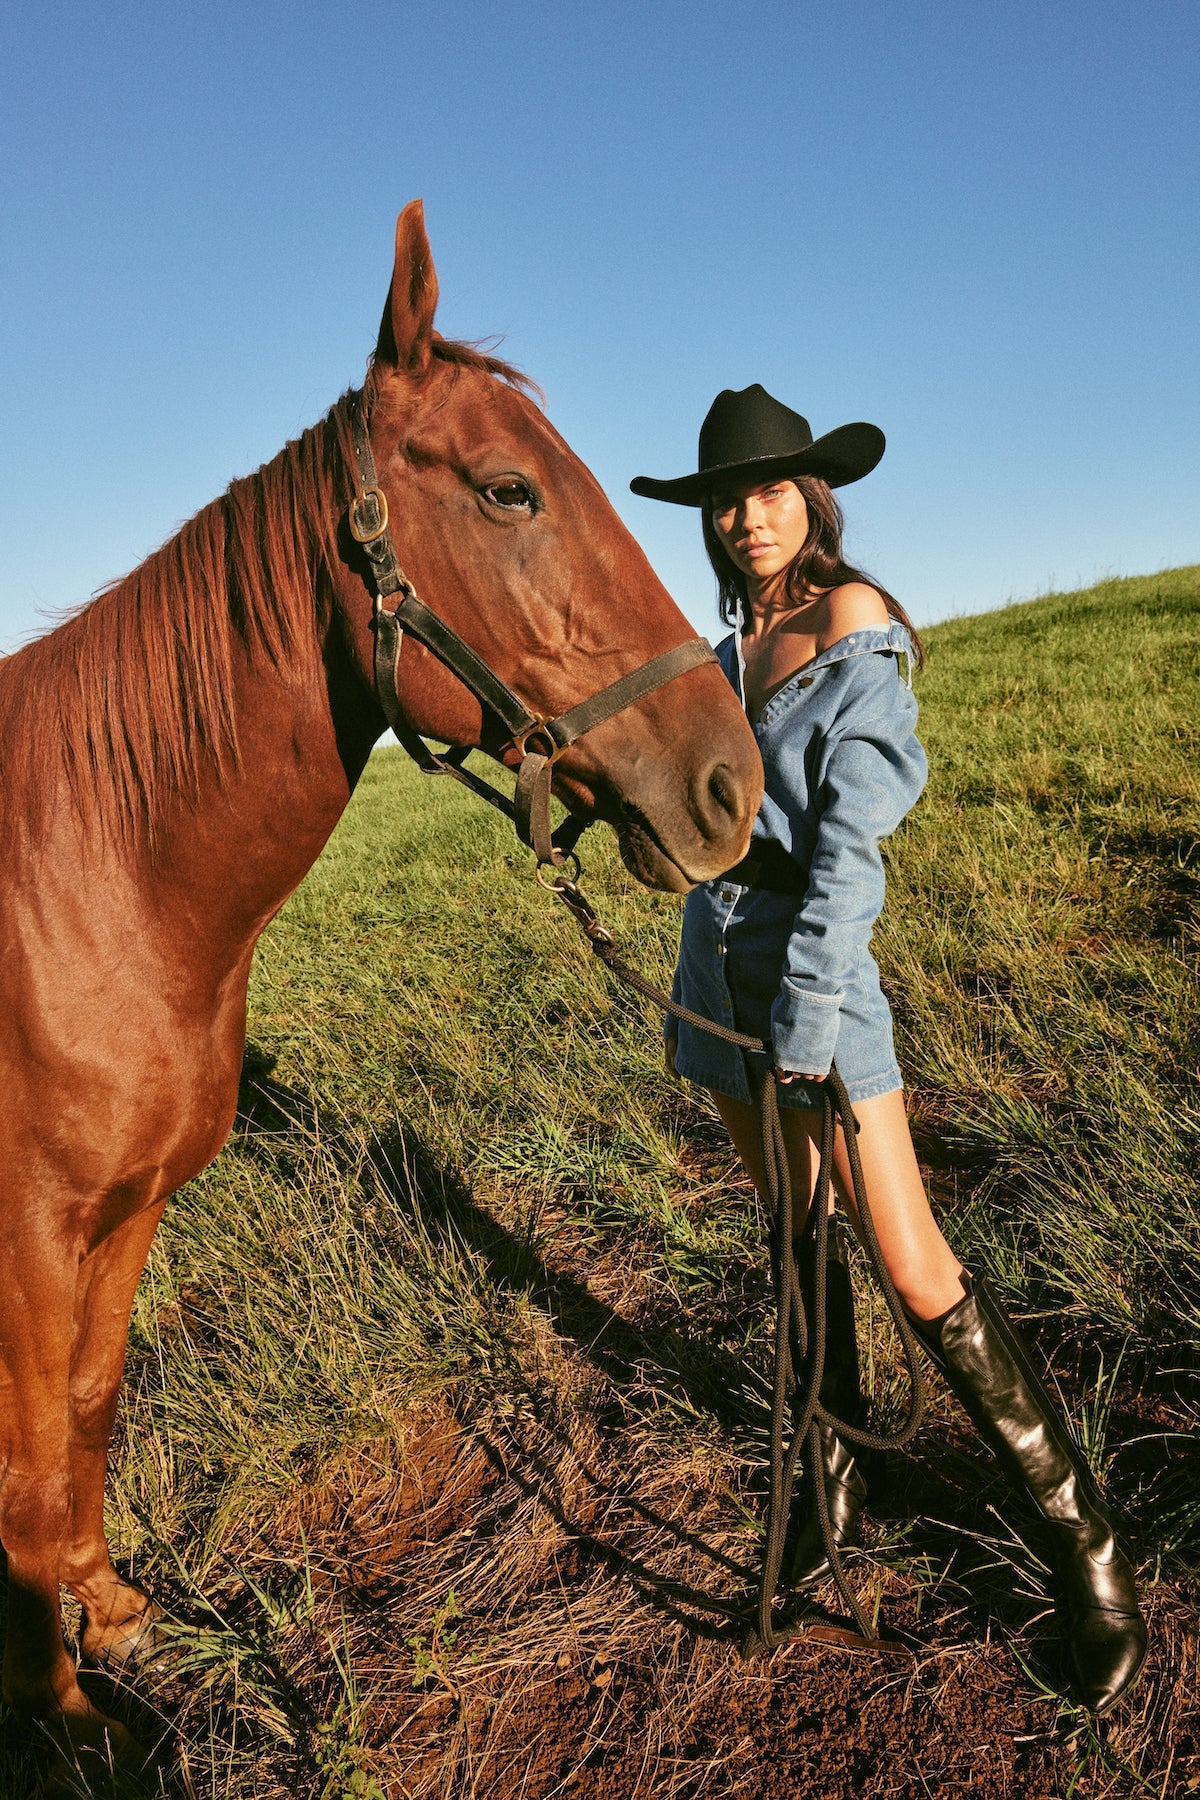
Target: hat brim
pixel 840 457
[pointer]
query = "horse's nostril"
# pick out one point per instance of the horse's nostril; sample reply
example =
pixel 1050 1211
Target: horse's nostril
pixel 723 790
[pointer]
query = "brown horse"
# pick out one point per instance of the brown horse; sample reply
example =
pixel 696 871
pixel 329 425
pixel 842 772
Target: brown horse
pixel 173 759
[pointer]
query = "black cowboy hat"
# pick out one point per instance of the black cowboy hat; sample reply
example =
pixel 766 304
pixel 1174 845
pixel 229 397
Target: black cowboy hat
pixel 748 435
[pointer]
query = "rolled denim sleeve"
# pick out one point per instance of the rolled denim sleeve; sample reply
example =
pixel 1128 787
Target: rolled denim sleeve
pixel 873 769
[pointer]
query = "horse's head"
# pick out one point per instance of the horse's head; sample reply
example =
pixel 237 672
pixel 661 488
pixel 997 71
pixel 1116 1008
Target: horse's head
pixel 508 538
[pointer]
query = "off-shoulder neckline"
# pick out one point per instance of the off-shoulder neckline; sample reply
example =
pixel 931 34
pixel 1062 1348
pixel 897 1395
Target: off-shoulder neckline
pixel 866 640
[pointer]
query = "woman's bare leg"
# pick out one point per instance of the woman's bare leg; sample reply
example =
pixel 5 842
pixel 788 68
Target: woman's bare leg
pixel 926 1272
pixel 987 1368
pixel 743 1123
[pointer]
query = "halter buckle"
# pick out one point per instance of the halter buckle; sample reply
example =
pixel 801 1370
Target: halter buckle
pixel 358 532
pixel 538 726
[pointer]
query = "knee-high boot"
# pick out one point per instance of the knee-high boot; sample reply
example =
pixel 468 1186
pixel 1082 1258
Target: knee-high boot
pixel 841 1467
pixel 990 1370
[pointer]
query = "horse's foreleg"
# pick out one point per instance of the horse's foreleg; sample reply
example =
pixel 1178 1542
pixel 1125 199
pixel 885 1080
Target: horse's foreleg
pixel 37 1292
pixel 116 1615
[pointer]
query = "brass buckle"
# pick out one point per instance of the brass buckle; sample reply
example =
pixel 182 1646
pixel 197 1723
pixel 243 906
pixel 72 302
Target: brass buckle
pixel 357 532
pixel 538 725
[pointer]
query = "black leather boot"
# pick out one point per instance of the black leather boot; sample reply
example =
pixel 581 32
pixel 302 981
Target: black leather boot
pixel 841 1467
pixel 989 1368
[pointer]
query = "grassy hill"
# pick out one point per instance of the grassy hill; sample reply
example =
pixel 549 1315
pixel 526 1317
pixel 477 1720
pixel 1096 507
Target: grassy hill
pixel 448 1398
pixel 1048 993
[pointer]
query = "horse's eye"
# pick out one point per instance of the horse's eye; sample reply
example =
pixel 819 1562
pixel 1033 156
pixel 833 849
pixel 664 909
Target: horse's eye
pixel 511 493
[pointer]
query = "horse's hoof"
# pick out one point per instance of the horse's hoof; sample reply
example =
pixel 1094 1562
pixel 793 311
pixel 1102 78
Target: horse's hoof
pixel 140 1645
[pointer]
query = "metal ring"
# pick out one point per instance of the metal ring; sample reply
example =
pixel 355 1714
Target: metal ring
pixel 356 531
pixel 558 869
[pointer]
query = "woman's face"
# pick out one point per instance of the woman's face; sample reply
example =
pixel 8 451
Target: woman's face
pixel 761 528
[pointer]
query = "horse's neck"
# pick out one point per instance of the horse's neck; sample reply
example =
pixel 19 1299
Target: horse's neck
pixel 273 676
pixel 234 858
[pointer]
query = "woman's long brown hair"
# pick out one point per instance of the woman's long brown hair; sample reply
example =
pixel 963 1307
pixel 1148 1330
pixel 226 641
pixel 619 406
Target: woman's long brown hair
pixel 818 565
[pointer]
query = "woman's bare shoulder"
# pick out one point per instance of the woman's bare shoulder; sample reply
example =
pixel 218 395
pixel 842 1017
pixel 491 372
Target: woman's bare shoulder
pixel 853 607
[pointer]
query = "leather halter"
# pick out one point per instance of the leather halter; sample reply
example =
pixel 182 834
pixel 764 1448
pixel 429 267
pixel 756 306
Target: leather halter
pixel 541 741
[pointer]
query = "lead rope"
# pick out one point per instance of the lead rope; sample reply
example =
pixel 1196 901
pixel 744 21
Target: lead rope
pixel 792 1322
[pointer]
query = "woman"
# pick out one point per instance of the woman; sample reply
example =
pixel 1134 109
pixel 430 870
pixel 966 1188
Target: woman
pixel 780 948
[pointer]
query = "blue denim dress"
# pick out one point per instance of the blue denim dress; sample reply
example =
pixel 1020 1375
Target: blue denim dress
pixel 842 766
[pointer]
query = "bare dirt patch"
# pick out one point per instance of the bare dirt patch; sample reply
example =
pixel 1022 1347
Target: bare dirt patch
pixel 534 1616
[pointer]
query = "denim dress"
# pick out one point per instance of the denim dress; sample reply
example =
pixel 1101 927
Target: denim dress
pixel 842 766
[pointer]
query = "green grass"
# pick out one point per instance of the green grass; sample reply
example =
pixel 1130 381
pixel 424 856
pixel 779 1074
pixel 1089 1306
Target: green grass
pixel 1048 998
pixel 469 1249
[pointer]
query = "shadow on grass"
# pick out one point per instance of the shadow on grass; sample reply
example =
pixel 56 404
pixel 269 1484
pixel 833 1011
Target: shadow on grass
pixel 28 1758
pixel 938 1517
pixel 1164 868
pixel 267 1107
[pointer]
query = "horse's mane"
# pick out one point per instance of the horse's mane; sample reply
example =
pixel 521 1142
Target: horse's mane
pixel 130 698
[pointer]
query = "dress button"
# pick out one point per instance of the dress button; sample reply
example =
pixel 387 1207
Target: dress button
pixel 806 681
pixel 727 895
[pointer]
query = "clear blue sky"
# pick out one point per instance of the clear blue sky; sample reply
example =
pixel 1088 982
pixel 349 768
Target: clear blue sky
pixel 975 224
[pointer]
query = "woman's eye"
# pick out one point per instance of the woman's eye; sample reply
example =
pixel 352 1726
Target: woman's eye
pixel 513 495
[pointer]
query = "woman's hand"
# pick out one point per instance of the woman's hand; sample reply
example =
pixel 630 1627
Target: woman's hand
pixel 670 1046
pixel 791 1075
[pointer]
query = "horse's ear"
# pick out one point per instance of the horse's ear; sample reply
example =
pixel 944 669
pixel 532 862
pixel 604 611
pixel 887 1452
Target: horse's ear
pixel 407 326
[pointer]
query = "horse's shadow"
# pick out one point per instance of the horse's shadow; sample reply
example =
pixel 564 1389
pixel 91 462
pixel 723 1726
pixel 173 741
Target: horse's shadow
pixel 265 1106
